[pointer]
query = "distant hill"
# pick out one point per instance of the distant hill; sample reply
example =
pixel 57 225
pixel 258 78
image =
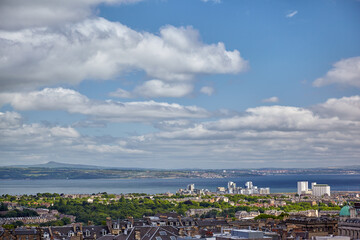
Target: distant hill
pixel 53 164
pixel 59 165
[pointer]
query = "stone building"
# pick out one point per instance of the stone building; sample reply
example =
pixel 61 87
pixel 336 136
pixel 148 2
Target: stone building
pixel 349 222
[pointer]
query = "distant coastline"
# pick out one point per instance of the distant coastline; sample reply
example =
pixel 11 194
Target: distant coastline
pixel 56 170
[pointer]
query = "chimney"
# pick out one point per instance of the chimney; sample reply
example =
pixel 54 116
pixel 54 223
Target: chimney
pixel 131 219
pixel 137 235
pixel 109 224
pixel 179 217
pixel 50 233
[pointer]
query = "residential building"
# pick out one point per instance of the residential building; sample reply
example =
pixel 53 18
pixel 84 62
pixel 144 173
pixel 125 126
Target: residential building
pixel 320 190
pixel 302 187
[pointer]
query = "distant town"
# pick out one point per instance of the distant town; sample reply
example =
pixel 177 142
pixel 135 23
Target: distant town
pixel 235 211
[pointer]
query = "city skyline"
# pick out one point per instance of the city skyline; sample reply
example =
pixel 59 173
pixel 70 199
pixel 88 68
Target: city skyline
pixel 180 84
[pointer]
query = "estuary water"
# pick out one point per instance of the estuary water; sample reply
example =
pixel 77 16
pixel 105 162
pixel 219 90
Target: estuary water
pixel 277 184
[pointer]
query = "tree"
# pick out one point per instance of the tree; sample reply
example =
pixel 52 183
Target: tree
pixel 3 207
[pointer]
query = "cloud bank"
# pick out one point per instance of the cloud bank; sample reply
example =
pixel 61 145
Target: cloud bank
pixel 50 99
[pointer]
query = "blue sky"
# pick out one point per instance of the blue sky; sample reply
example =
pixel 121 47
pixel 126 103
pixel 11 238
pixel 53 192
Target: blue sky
pixel 174 84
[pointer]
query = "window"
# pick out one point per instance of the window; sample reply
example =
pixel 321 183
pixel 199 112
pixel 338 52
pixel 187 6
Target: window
pixel 163 233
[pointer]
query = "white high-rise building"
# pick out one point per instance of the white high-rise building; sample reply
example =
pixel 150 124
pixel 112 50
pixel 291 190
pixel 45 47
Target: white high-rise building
pixel 231 187
pixel 302 187
pixel 321 189
pixel 313 184
pixel 249 185
pixel 191 187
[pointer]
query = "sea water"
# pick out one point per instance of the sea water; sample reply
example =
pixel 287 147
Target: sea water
pixel 277 184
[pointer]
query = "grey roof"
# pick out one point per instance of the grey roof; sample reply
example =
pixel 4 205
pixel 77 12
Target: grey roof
pixel 25 231
pixel 153 233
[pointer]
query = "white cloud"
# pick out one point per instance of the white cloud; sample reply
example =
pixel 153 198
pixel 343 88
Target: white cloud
pixel 10 120
pixel 21 142
pixel 345 72
pixel 291 14
pixel 198 132
pixel 268 135
pixel 279 118
pixel 99 49
pixel 73 102
pixel 174 124
pixel 155 89
pixel 207 90
pixel 12 127
pixel 347 108
pixel 17 14
pixel 271 100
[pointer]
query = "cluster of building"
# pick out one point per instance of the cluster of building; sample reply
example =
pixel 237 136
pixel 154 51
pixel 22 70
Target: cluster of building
pixel 247 190
pixel 318 190
pixel 172 226
pixel 190 189
pixel 44 215
pixel 231 188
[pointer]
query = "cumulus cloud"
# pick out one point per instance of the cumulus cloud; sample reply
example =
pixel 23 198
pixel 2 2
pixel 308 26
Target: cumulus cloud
pixel 207 90
pixel 12 127
pixel 100 49
pixel 345 72
pixel 74 102
pixel 17 14
pixel 291 14
pixel 271 100
pixel 344 108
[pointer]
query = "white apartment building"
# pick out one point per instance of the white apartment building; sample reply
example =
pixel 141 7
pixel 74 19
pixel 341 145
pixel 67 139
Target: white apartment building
pixel 321 189
pixel 264 191
pixel 302 187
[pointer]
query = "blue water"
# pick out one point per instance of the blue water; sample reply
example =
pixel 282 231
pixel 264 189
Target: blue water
pixel 277 184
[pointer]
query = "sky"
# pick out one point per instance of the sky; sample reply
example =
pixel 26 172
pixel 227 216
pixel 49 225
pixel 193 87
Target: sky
pixel 180 84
